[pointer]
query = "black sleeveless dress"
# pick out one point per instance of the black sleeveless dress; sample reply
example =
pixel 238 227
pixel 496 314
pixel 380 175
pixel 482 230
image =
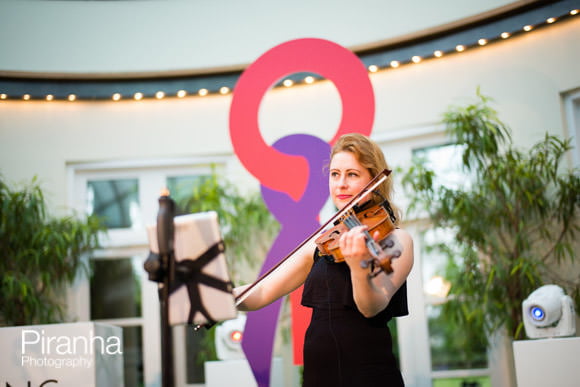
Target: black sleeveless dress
pixel 342 348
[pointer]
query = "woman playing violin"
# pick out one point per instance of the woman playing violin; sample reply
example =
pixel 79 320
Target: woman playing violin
pixel 347 342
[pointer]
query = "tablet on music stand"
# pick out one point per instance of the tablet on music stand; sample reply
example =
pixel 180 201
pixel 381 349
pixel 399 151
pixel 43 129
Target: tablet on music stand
pixel 202 291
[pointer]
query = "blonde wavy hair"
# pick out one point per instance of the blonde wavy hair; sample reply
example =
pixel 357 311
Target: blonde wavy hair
pixel 370 156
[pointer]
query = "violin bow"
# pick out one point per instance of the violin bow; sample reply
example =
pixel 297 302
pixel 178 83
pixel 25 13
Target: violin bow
pixel 364 192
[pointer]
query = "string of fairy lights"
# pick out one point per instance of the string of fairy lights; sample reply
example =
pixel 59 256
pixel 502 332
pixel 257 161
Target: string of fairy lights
pixel 308 79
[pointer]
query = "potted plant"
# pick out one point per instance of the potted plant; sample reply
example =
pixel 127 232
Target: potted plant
pixel 41 255
pixel 513 225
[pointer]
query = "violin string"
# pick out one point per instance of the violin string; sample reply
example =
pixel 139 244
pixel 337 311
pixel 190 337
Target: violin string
pixel 373 247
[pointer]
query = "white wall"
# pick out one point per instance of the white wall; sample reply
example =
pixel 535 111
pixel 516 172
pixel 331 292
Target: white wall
pixel 170 35
pixel 526 76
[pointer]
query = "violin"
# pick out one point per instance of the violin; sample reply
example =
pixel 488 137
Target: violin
pixel 378 218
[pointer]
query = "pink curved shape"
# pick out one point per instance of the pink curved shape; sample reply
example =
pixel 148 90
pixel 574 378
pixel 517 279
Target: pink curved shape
pixel 319 56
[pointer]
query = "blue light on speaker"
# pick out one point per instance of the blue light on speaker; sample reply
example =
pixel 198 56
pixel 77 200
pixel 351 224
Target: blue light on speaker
pixel 537 313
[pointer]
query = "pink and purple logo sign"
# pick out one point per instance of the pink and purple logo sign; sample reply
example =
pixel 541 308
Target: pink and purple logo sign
pixel 290 171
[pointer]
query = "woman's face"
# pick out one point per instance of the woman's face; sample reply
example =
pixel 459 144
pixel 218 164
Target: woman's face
pixel 346 179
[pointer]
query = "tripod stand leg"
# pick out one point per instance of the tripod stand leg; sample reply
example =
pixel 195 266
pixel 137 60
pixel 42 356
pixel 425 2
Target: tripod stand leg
pixel 166 339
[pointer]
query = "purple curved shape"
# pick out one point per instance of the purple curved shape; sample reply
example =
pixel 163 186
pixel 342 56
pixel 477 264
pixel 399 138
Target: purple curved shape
pixel 297 220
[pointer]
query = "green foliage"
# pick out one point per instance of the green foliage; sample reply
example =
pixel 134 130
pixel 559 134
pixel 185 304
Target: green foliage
pixel 248 229
pixel 247 226
pixel 40 255
pixel 450 350
pixel 514 224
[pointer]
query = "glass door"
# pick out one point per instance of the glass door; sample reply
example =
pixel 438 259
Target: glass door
pixel 117 290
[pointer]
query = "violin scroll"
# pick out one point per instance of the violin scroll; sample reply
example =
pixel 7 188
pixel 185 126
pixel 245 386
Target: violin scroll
pixel 391 248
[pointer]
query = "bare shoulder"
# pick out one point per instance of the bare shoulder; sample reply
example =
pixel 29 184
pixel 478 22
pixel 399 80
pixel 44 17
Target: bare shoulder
pixel 402 233
pixel 403 236
pixel 405 242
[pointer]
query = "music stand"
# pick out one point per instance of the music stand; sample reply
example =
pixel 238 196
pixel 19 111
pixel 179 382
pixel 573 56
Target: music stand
pixel 188 262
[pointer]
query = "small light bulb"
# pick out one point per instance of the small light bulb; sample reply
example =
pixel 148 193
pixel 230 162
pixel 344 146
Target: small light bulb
pixel 528 28
pixel 482 42
pixel 203 92
pixel 72 97
pixel 236 336
pixel 26 97
pixel 550 20
pixel 181 93
pixel 309 79
pixel 116 97
pixel 395 63
pixel 460 48
pixel 505 35
pixel 416 59
pixel 224 90
pixel 574 12
pixel 438 53
pixel 138 96
pixel 373 68
pixel 287 82
pixel 159 95
pixel 49 97
pixel 438 287
pixel 3 96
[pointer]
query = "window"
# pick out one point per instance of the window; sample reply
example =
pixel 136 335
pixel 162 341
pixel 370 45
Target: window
pixel 116 288
pixel 125 197
pixel 456 359
pixel 182 187
pixel 572 110
pixel 445 161
pixel 115 297
pixel 116 202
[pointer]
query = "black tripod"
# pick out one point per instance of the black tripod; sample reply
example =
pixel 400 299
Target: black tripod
pixel 161 269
